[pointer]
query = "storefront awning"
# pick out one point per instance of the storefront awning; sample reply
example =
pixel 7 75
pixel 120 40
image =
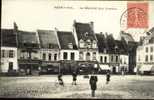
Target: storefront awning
pixel 146 68
pixel 104 67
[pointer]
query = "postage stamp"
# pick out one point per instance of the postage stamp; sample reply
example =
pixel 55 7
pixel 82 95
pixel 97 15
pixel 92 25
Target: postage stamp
pixel 136 16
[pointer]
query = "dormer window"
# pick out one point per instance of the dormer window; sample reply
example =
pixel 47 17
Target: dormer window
pixel 81 43
pixel 70 45
pixel 50 45
pixel 94 44
pixel 86 34
pixel 88 43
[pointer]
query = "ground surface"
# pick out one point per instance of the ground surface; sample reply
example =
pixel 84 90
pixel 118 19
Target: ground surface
pixel 120 87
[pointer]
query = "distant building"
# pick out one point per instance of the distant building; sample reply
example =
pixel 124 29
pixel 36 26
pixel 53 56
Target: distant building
pixel 8 51
pixel 69 53
pixel 113 54
pixel 145 54
pixel 132 46
pixel 49 50
pixel 86 42
pixel 103 56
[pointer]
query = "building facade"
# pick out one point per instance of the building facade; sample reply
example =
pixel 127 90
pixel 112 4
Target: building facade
pixel 69 54
pixel 8 51
pixel 145 54
pixel 49 51
pixel 87 43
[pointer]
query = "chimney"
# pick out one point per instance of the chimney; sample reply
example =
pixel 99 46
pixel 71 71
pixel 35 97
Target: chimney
pixel 106 35
pixel 15 26
pixel 56 29
pixel 74 21
pixel 101 33
pixel 92 25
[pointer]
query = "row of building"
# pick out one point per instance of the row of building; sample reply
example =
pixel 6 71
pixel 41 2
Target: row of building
pixel 66 50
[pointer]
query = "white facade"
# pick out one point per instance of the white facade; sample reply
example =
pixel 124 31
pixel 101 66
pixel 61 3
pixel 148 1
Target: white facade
pixel 145 56
pixel 124 61
pixel 8 59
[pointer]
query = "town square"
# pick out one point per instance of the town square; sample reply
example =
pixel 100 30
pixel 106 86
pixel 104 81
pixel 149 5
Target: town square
pixel 77 49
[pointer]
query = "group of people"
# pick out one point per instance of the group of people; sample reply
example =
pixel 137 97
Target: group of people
pixel 92 81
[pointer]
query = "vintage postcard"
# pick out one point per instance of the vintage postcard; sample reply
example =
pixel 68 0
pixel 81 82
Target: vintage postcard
pixel 77 49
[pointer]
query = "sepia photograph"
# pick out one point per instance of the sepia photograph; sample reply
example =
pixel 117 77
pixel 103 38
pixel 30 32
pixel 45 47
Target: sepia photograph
pixel 64 49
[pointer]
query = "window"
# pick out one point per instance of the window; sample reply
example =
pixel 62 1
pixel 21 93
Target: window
pixel 116 58
pixel 151 49
pixel 50 45
pixel 81 43
pixel 105 59
pixel 101 59
pixel 94 55
pixel 88 56
pixel 55 56
pixel 146 58
pixel 72 56
pixel 151 57
pixel 94 44
pixel 49 56
pixel 112 58
pixel 146 49
pixel 65 55
pixel 3 53
pixel 88 43
pixel 81 55
pixel 44 56
pixel 11 53
pixel 70 45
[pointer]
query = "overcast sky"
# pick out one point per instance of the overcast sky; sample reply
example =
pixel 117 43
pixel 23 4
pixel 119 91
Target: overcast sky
pixel 46 14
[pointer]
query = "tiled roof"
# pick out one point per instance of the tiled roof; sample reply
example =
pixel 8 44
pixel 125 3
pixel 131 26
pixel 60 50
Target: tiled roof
pixel 110 44
pixel 27 39
pixel 102 44
pixel 122 47
pixel 127 36
pixel 84 31
pixel 48 39
pixel 8 38
pixel 66 38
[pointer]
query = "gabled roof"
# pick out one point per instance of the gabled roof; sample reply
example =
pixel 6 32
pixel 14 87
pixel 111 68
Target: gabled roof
pixel 48 39
pixel 127 37
pixel 84 31
pixel 66 38
pixel 101 42
pixel 122 47
pixel 8 38
pixel 27 39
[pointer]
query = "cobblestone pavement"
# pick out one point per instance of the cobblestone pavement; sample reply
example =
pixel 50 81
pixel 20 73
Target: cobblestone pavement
pixel 45 86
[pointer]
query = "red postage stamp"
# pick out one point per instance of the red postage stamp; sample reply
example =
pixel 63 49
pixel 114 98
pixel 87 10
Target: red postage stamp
pixel 137 15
